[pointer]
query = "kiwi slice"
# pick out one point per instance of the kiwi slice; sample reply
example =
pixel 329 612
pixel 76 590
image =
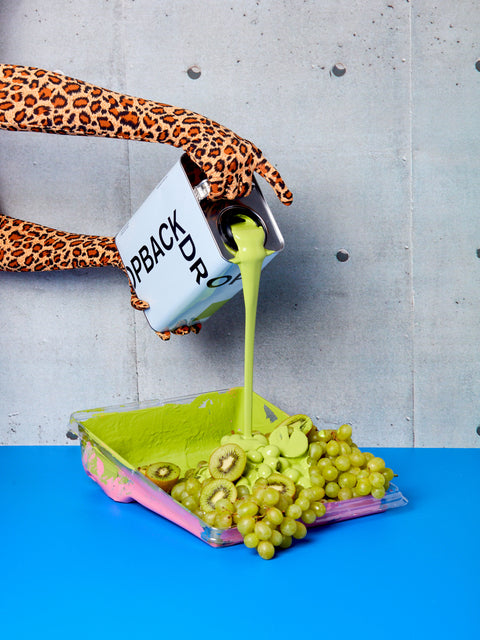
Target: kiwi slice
pixel 282 484
pixel 227 462
pixel 216 490
pixel 298 421
pixel 164 474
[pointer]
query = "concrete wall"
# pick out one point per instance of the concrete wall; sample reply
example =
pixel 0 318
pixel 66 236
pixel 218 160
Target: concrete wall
pixel 383 162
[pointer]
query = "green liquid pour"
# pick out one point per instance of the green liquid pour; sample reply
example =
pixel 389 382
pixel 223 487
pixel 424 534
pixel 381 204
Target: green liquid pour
pixel 250 256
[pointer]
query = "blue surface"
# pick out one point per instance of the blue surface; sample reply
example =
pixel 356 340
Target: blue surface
pixel 75 562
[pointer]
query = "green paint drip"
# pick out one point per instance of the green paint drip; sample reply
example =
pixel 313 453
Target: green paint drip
pixel 249 258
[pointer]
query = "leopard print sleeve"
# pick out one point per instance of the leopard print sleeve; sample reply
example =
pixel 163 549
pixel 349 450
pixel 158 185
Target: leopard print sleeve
pixel 37 100
pixel 28 246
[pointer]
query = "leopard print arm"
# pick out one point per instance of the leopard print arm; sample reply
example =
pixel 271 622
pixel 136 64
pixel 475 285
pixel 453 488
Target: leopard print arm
pixel 37 100
pixel 27 246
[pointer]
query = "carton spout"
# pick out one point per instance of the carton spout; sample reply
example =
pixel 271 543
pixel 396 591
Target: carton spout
pixel 232 215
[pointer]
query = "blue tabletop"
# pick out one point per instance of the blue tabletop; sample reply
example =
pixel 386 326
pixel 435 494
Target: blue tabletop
pixel 75 562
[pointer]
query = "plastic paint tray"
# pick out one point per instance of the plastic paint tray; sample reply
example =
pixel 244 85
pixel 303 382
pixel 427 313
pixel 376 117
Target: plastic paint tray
pixel 116 440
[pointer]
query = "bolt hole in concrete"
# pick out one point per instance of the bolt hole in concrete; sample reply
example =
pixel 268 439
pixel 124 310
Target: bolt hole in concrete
pixel 338 70
pixel 477 65
pixel 194 72
pixel 342 255
pixel 478 430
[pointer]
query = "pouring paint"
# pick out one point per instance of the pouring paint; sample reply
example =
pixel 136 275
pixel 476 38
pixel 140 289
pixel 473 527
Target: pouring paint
pixel 249 256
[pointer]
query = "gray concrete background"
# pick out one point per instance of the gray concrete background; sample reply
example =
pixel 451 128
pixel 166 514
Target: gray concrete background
pixel 383 162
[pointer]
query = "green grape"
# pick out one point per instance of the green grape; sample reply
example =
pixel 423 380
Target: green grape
pixel 315 450
pixel 363 474
pixel 303 503
pixel 284 502
pixel 265 549
pixel 264 470
pixel 333 448
pixel 223 520
pixel 314 435
pixel 250 540
pixel 376 464
pixel 254 455
pixel 224 504
pixel 190 503
pixel 368 455
pixel 309 516
pixel 247 508
pixel 286 542
pixel 332 489
pixel 291 473
pixel 388 473
pixel 271 450
pixel 272 462
pixel 262 530
pixel 177 491
pixel 258 493
pixel 377 480
pixel 316 493
pixel 319 508
pixel 363 487
pixel 344 432
pixel 260 437
pixel 330 473
pixel 276 538
pixel 270 496
pixel 184 495
pixel 274 515
pixel 378 492
pixel 323 462
pixel 209 518
pixel 193 486
pixel 246 525
pixel 325 435
pixel 305 493
pixel 345 493
pixel 357 458
pixel 347 479
pixel 342 462
pixel 288 526
pixel 315 475
pixel 242 491
pixel 294 511
pixel 345 449
pixel 300 530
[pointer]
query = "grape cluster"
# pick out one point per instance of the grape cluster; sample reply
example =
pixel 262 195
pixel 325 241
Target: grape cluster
pixel 337 466
pixel 267 517
pixel 273 511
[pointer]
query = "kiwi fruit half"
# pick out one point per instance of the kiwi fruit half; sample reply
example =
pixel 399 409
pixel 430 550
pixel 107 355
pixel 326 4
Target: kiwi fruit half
pixel 227 462
pixel 164 474
pixel 216 490
pixel 282 484
pixel 298 421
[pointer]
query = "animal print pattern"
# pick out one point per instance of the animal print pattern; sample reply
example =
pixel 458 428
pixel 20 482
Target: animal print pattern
pixel 26 246
pixel 36 100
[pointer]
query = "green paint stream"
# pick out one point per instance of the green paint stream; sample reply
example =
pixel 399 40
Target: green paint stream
pixel 249 257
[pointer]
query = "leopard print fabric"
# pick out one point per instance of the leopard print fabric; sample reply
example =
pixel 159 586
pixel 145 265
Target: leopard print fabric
pixel 37 100
pixel 26 246
pixel 33 99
